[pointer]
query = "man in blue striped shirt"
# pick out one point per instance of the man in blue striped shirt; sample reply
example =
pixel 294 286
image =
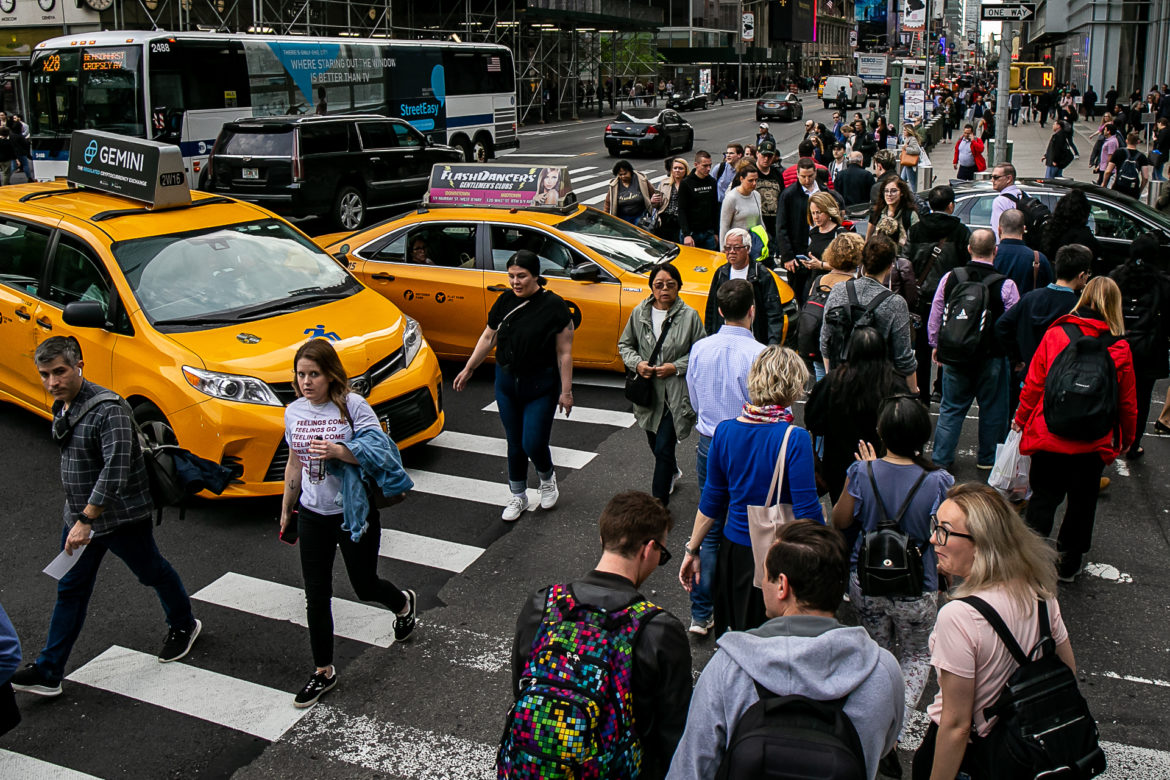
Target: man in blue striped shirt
pixel 717 381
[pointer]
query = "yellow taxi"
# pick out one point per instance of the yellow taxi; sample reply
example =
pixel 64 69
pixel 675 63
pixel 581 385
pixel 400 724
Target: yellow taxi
pixel 192 307
pixel 444 266
pixel 821 86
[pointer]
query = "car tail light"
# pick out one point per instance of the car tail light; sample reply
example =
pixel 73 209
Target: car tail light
pixel 296 158
pixel 609 128
pixel 652 130
pixel 759 102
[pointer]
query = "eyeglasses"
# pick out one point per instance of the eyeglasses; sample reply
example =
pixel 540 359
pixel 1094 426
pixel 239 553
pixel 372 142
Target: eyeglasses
pixel 734 247
pixel 892 191
pixel 997 178
pixel 672 285
pixel 663 553
pixel 943 533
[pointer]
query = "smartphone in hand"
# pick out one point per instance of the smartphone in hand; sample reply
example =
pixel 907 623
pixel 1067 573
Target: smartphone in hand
pixel 290 534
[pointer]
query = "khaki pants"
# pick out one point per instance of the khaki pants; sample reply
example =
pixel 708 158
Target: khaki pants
pixel 6 172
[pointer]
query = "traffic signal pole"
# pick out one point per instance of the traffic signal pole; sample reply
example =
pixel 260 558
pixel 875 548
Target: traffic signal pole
pixel 1002 95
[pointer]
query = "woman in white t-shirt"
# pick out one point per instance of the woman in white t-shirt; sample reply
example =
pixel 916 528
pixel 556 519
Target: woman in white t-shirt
pixel 979 538
pixel 317 424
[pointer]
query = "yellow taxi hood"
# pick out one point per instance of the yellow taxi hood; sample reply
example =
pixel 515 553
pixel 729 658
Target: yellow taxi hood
pixel 364 328
pixel 697 266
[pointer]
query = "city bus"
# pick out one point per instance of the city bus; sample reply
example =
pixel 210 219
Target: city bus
pixel 180 88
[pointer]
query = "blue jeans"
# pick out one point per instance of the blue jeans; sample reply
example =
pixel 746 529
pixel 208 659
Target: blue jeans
pixel 1052 172
pixel 702 595
pixel 527 405
pixel 959 389
pixel 706 239
pixel 909 175
pixel 662 443
pixel 134 544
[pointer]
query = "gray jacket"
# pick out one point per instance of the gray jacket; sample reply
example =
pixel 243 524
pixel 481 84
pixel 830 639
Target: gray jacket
pixel 893 322
pixel 808 655
pixel 636 344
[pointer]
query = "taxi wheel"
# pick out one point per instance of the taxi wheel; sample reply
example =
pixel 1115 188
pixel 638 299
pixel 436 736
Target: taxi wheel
pixel 153 423
pixel 349 210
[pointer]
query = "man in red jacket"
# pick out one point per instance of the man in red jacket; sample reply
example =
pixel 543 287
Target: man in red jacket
pixel 1066 467
pixel 969 155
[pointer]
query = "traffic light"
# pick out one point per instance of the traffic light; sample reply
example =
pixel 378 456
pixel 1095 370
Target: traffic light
pixel 1040 78
pixel 942 60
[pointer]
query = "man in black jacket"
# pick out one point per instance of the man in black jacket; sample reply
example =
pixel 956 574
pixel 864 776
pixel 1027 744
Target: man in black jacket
pixel 855 182
pixel 698 205
pixel 943 235
pixel 768 325
pixel 633 540
pixel 792 225
pixel 1059 154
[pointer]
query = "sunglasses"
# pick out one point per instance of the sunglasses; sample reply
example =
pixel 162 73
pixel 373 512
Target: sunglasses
pixel 663 553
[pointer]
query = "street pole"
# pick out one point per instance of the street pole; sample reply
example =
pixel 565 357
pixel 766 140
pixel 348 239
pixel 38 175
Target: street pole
pixel 739 76
pixel 1002 98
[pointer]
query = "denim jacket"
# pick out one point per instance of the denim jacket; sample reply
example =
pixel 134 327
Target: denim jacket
pixel 378 459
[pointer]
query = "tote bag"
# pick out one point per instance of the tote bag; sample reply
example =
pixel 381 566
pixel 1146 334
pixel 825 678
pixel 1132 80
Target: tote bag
pixel 764 522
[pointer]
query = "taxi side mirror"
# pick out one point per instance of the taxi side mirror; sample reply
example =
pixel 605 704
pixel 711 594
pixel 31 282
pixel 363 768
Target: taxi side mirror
pixel 85 314
pixel 342 254
pixel 586 272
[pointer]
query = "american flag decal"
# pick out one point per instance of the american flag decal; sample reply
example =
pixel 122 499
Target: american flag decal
pixel 493 65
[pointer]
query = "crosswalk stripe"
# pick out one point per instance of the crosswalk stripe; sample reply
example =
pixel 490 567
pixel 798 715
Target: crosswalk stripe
pixel 594 186
pixel 575 171
pixel 429 551
pixel 351 620
pixel 491 445
pixel 584 414
pixel 479 490
pixel 29 768
pixel 217 698
pixel 599 380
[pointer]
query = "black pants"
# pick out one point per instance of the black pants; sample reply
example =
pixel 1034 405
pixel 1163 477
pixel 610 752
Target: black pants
pixel 924 758
pixel 739 605
pixel 320 536
pixel 662 443
pixel 923 353
pixel 1054 477
pixel 1145 388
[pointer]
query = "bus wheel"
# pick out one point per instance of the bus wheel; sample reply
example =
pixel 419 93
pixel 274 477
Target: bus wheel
pixel 349 209
pixel 464 145
pixel 483 149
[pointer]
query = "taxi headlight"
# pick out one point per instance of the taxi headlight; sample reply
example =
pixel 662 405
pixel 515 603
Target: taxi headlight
pixel 231 387
pixel 412 340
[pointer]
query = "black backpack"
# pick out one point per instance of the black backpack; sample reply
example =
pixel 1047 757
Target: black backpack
pixel 963 335
pixel 791 737
pixel 1044 727
pixel 889 562
pixel 1036 216
pixel 812 316
pixel 1129 177
pixel 932 261
pixel 1081 394
pixel 842 321
pixel 1140 312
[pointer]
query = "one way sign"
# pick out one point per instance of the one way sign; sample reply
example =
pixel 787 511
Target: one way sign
pixel 1007 13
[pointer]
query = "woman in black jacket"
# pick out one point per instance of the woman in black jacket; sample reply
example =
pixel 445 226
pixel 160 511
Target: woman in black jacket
pixel 1070 225
pixel 1145 303
pixel 863 141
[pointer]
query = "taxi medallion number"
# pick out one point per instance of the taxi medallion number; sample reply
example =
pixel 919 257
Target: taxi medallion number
pixel 384 421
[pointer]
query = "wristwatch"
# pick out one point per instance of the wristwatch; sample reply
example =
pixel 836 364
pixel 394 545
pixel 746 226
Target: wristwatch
pixel 83 517
pixel 694 552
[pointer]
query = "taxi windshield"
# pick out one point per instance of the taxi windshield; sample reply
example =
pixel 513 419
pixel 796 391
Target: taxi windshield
pixel 230 273
pixel 618 240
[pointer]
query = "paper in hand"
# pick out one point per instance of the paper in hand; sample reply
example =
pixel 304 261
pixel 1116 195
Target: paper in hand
pixel 61 565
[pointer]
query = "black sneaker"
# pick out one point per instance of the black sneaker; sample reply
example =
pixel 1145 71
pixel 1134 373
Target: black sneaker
pixel 178 643
pixel 1071 564
pixel 404 624
pixel 317 686
pixel 890 766
pixel 31 679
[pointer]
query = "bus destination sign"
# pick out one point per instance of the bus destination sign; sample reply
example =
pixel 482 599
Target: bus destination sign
pixel 146 171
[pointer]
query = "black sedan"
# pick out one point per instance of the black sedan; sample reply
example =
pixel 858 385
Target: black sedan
pixel 1116 220
pixel 687 102
pixel 779 105
pixel 653 130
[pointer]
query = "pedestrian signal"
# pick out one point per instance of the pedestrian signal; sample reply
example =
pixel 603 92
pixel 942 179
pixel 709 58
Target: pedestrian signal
pixel 1040 79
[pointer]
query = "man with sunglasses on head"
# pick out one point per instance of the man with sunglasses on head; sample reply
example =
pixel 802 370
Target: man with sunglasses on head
pixel 634 527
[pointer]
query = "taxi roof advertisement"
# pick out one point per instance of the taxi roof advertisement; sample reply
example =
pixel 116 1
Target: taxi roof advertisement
pixel 134 168
pixel 514 186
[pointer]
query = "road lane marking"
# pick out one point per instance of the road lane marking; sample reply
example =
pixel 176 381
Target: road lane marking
pixel 611 380
pixel 428 551
pixel 514 154
pixel 237 704
pixel 472 649
pixel 1132 678
pixel 1107 572
pixel 584 414
pixel 479 490
pixel 575 171
pixel 493 445
pixel 351 620
pixel 29 768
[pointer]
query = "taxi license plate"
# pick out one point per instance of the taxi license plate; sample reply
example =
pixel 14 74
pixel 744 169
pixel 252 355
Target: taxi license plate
pixel 250 173
pixel 627 143
pixel 385 423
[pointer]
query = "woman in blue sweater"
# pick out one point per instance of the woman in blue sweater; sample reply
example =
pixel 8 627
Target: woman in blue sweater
pixel 740 464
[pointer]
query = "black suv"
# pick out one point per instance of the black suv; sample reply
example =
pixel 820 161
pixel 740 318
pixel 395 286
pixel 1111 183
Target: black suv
pixel 335 166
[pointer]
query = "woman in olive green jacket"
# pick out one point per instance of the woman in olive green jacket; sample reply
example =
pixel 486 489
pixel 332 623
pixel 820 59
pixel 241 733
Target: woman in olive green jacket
pixel 671 416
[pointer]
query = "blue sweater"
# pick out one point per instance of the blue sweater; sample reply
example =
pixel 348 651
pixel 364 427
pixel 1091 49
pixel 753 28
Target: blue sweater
pixel 739 470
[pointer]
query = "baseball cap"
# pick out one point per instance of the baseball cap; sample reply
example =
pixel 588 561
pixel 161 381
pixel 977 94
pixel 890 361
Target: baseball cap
pixel 767 147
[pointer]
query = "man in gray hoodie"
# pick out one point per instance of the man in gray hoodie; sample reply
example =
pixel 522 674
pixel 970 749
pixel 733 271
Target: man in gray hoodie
pixel 801 650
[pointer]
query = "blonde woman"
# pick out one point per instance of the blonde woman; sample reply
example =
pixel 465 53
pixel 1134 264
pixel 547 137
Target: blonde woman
pixel 668 226
pixel 1071 467
pixel 740 463
pixel 824 219
pixel 980 539
pixel 842 258
pixel 911 150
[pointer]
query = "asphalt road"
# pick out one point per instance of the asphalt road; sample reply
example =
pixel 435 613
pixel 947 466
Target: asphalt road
pixel 434 708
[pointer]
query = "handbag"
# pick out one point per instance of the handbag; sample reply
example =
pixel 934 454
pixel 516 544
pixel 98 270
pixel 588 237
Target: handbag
pixel 764 522
pixel 908 159
pixel 640 389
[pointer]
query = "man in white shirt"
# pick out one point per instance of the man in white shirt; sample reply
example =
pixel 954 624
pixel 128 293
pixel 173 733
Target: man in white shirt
pixel 1003 179
pixel 717 381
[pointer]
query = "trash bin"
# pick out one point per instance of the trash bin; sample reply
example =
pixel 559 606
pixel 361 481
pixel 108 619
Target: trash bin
pixel 991 151
pixel 925 176
pixel 1155 192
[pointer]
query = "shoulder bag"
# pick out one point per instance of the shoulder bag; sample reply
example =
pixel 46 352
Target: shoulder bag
pixel 640 389
pixel 764 522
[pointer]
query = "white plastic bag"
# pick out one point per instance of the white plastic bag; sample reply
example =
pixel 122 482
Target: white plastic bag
pixel 1010 473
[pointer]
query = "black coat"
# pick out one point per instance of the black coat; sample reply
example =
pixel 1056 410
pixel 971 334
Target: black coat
pixel 768 326
pixel 854 184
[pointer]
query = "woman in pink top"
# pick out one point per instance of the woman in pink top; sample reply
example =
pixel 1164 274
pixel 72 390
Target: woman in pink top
pixel 979 538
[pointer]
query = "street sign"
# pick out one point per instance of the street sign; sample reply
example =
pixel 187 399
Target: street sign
pixel 853 38
pixel 749 27
pixel 1007 13
pixel 913 104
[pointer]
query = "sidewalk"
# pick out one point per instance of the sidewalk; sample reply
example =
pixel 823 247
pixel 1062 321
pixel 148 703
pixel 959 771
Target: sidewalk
pixel 1029 142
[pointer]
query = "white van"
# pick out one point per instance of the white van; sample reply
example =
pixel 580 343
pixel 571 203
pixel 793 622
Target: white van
pixel 854 90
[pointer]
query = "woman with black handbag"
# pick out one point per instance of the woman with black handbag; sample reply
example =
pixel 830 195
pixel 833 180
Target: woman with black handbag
pixel 655 346
pixel 911 489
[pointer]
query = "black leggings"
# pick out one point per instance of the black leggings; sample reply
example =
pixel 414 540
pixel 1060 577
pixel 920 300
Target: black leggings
pixel 1145 388
pixel 320 536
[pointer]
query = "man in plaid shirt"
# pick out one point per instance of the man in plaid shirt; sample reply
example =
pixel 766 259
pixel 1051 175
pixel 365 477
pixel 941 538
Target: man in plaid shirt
pixel 107 508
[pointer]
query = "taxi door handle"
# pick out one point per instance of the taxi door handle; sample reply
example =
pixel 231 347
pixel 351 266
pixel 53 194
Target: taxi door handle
pixel 383 277
pixel 45 323
pixel 375 159
pixel 498 287
pixel 23 314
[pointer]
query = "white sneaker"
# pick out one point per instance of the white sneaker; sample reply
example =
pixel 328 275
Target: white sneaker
pixel 549 493
pixel 701 627
pixel 515 508
pixel 674 480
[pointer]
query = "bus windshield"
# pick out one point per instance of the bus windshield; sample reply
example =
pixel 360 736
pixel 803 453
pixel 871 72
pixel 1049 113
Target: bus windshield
pixel 96 88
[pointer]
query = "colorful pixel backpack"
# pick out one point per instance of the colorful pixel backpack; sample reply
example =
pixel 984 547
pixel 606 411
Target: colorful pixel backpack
pixel 574 718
